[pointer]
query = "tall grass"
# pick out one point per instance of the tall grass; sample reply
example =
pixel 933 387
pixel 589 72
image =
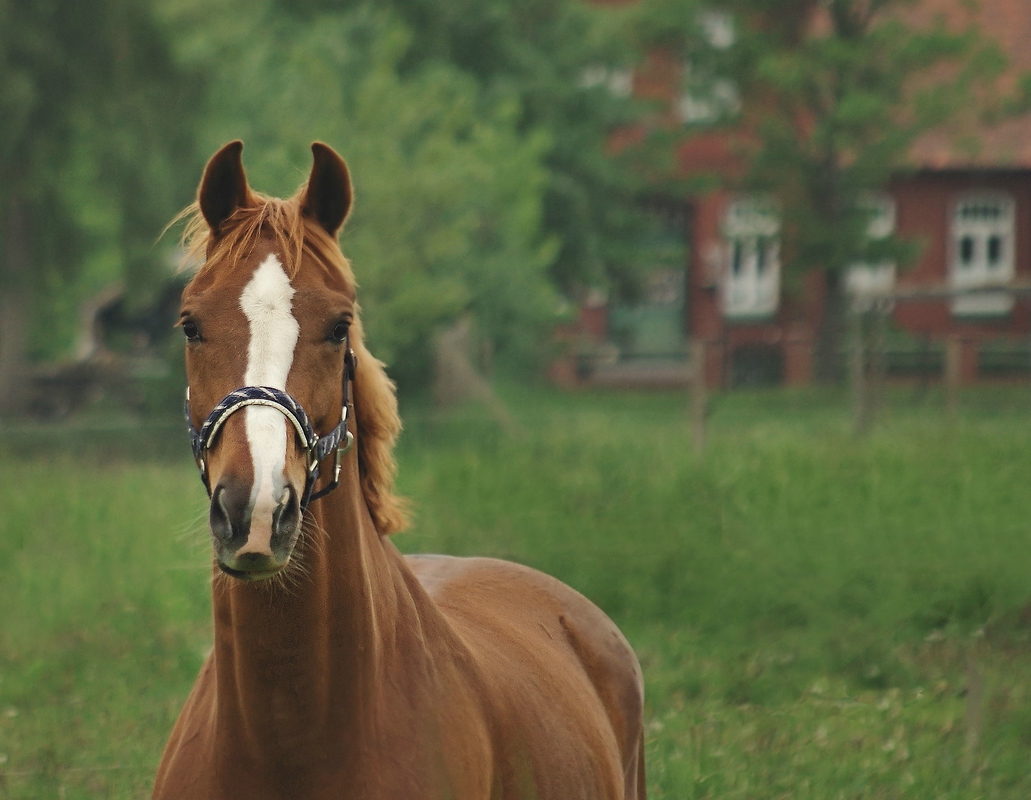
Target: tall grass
pixel 779 525
pixel 105 620
pixel 817 616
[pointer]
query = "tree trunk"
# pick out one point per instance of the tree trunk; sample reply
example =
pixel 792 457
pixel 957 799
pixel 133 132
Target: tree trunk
pixel 15 303
pixel 456 380
pixel 830 334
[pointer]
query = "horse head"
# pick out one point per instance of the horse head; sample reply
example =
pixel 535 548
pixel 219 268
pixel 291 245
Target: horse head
pixel 271 326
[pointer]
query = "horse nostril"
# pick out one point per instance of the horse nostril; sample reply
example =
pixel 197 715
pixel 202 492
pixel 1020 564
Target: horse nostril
pixel 218 516
pixel 288 515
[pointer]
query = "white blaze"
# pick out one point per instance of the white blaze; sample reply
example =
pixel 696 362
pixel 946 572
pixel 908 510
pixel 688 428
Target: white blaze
pixel 267 303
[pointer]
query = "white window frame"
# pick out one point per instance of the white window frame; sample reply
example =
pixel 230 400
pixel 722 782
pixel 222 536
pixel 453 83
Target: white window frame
pixel 718 99
pixel 706 98
pixel 751 274
pixel 868 283
pixel 717 27
pixel 982 251
pixel 618 81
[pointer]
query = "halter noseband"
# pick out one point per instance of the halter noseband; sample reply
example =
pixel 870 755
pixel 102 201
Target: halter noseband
pixel 340 439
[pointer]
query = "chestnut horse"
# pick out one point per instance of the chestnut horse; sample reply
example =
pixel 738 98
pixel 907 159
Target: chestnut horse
pixel 342 669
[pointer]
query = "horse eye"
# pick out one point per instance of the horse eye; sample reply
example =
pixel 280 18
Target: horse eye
pixel 339 332
pixel 191 331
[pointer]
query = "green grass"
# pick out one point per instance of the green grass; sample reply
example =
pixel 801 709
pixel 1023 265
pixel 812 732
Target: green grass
pixel 817 616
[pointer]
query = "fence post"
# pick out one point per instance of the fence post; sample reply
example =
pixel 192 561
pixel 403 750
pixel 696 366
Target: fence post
pixel 699 401
pixel 953 367
pixel 878 358
pixel 860 390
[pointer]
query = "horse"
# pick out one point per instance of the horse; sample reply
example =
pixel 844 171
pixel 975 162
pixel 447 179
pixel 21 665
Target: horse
pixel 340 668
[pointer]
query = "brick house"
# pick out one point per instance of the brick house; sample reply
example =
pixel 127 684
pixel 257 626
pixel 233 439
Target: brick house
pixel 969 207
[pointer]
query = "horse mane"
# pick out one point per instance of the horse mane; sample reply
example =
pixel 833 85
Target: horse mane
pixel 375 396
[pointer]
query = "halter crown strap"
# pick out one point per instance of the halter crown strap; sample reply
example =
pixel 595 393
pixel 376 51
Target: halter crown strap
pixel 340 440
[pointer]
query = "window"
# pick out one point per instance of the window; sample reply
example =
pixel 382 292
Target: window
pixel 717 28
pixel 708 102
pixel 751 286
pixel 618 82
pixel 867 282
pixel 982 253
pixel 652 325
pixel 708 98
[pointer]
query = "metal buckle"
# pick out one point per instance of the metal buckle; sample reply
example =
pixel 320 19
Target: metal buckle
pixel 337 462
pixel 342 449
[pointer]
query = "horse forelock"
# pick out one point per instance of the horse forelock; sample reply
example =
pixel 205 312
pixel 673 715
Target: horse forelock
pixel 302 240
pixel 296 234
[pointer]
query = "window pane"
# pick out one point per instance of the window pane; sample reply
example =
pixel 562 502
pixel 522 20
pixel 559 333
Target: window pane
pixel 966 251
pixel 881 209
pixel 994 250
pixel 751 281
pixel 983 233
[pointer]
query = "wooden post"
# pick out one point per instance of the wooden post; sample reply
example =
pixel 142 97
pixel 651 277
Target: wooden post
pixel 860 391
pixel 953 368
pixel 974 716
pixel 878 358
pixel 699 401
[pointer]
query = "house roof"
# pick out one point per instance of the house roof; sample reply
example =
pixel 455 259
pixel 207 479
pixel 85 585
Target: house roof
pixel 967 143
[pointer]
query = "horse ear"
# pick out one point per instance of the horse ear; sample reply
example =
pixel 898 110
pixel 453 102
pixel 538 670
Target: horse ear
pixel 223 189
pixel 328 194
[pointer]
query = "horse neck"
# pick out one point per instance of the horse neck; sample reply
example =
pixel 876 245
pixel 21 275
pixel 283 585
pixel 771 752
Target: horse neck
pixel 300 663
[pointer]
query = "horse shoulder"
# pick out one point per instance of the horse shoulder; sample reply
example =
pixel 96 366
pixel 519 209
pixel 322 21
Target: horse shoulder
pixel 556 667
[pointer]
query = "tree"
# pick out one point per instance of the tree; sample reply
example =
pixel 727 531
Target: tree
pixel 833 94
pixel 850 101
pixel 448 191
pixel 565 65
pixel 91 124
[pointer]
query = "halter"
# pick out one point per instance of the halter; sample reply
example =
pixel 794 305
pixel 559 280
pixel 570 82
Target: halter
pixel 340 439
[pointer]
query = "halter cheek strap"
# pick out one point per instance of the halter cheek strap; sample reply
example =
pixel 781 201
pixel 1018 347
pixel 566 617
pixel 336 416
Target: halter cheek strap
pixel 339 441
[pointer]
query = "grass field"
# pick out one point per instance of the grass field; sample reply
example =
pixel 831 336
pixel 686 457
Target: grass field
pixel 817 617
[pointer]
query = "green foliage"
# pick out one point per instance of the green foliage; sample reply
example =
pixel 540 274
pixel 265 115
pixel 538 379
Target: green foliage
pixel 478 152
pixel 477 141
pixel 448 192
pixel 94 118
pixel 540 52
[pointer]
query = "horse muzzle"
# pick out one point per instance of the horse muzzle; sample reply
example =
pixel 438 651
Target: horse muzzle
pixel 254 534
pixel 253 539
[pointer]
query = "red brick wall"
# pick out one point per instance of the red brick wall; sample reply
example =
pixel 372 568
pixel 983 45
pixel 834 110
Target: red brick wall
pixel 924 204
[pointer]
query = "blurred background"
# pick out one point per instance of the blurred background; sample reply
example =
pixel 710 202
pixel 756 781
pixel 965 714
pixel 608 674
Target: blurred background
pixel 718 311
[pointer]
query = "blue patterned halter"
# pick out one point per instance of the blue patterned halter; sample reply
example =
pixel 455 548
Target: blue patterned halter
pixel 340 440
